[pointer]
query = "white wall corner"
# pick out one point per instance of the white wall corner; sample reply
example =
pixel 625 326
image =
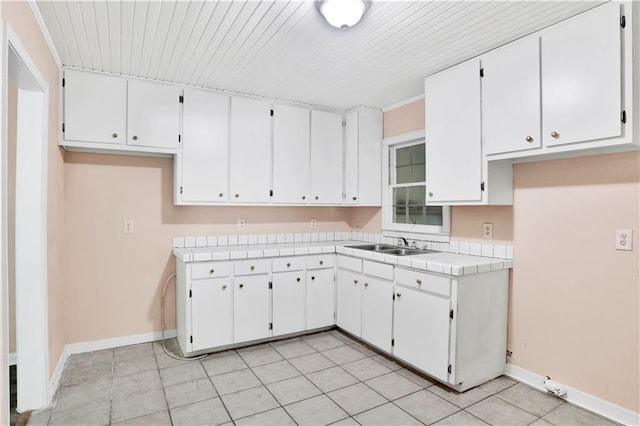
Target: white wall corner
pixel 56 378
pixel 45 32
pixel 577 397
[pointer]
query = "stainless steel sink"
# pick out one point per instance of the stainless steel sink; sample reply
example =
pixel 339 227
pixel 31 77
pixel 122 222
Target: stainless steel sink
pixel 394 250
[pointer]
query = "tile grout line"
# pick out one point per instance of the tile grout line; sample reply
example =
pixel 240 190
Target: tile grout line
pixel 164 391
pixel 216 389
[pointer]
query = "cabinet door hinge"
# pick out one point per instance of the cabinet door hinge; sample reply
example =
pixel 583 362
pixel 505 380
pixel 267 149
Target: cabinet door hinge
pixel 270 113
pixel 270 285
pixel 180 99
pixel 63 82
pixel 623 117
pixel 451 314
pixel 270 326
pixel 482 186
pixel 509 353
pixel 271 193
pixel 179 138
pixel 393 296
pixel 190 293
pixel 449 369
pixel 481 72
pixel 393 342
pixel 181 190
pixel 62 127
pixel 623 21
pixel 190 339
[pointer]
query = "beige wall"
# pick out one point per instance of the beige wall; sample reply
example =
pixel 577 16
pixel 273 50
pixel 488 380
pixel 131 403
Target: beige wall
pixel 18 14
pixel 574 308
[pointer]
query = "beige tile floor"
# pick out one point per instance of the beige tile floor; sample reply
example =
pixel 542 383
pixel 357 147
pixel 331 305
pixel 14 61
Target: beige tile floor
pixel 324 378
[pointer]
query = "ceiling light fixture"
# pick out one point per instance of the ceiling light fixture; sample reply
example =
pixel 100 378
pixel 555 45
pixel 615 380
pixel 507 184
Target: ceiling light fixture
pixel 342 14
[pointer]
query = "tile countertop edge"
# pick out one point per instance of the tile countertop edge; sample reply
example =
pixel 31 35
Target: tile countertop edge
pixel 446 263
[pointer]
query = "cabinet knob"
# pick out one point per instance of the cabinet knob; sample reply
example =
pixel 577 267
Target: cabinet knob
pixel 220 194
pixel 419 281
pixel 529 139
pixel 241 286
pixel 316 197
pixel 398 294
pixel 135 138
pixel 288 265
pixel 354 198
pixel 555 135
pixel 252 267
pixel 114 135
pixel 211 271
pixel 304 197
pixel 355 281
pixel 237 195
pixel 321 262
pixel 298 279
pixel 431 194
pixel 313 278
pixel 366 285
pixel 224 287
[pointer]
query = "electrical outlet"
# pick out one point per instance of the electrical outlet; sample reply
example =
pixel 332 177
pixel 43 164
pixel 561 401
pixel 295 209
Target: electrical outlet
pixel 127 227
pixel 624 239
pixel 314 223
pixel 487 230
pixel 242 224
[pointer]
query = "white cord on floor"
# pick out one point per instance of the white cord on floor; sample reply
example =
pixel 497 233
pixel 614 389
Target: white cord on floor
pixel 164 292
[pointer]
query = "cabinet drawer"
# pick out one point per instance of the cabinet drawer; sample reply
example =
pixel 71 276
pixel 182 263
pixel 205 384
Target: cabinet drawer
pixel 320 261
pixel 201 270
pixel 252 267
pixel 379 270
pixel 281 264
pixel 350 263
pixel 419 280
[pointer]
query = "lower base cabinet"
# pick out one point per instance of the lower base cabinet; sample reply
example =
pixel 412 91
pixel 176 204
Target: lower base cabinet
pixel 251 308
pixel 211 313
pixel 321 298
pixel 288 302
pixel 349 303
pixel 377 312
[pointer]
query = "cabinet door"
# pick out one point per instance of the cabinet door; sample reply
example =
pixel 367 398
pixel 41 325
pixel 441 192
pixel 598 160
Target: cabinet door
pixel 421 331
pixel 349 304
pixel 153 115
pixel 250 151
pixel 326 158
pixel 321 295
pixel 95 107
pixel 290 154
pixel 251 314
pixel 377 308
pixel 369 157
pixel 351 158
pixel 581 78
pixel 511 98
pixel 288 302
pixel 211 313
pixel 453 134
pixel 204 146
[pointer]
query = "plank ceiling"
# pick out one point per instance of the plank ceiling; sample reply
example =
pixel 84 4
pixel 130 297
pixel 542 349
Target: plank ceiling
pixel 284 49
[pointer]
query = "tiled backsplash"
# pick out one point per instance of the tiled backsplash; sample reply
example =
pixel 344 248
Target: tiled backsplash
pixel 500 251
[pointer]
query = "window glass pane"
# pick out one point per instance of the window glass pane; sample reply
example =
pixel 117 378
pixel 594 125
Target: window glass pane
pixel 399 196
pixel 434 216
pixel 410 164
pixel 416 215
pixel 400 214
pixel 403 157
pixel 416 195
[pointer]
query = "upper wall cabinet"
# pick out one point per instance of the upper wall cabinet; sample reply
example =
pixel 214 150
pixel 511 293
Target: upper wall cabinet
pixel 326 158
pixel 363 153
pixel 291 138
pixel 94 108
pixel 200 168
pixel 153 115
pixel 250 151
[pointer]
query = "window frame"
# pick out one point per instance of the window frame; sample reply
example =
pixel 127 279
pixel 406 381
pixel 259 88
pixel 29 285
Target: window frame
pixel 438 233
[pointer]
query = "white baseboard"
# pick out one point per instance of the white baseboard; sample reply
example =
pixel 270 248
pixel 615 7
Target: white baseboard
pixel 13 358
pixel 579 398
pixel 96 345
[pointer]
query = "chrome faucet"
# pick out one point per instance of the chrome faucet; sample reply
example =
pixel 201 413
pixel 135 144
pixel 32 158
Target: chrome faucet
pixel 403 240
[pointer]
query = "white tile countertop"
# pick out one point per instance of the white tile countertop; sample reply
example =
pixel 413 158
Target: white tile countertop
pixel 447 263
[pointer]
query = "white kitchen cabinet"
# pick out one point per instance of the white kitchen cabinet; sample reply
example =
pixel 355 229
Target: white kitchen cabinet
pixel 95 108
pixel 363 157
pixel 377 312
pixel 326 157
pixel 581 78
pixel 251 308
pixel 211 313
pixel 201 166
pixel 320 298
pixel 349 303
pixel 291 144
pixel 153 114
pixel 250 151
pixel 288 300
pixel 511 97
pixel 453 135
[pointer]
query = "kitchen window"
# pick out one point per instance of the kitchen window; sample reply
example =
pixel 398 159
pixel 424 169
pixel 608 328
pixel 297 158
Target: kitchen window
pixel 404 206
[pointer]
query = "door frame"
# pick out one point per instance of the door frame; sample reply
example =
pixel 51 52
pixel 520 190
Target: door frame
pixel 31 227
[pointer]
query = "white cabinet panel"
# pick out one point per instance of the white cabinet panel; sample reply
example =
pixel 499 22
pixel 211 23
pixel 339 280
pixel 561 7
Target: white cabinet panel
pixel 377 312
pixel 211 313
pixel 349 303
pixel 291 141
pixel 321 295
pixel 205 138
pixel 326 158
pixel 369 157
pixel 95 107
pixel 153 114
pixel 351 158
pixel 581 78
pixel 511 97
pixel 251 313
pixel 288 302
pixel 250 151
pixel 421 331
pixel 453 134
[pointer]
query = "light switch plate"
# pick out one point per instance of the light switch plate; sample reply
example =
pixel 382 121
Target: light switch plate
pixel 624 239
